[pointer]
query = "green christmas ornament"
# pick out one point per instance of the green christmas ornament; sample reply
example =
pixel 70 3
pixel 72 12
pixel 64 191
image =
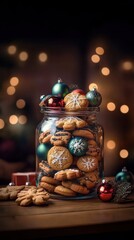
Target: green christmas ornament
pixel 123 176
pixel 42 150
pixel 94 98
pixel 60 89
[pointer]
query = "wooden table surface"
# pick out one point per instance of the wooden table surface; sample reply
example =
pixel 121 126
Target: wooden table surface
pixel 65 218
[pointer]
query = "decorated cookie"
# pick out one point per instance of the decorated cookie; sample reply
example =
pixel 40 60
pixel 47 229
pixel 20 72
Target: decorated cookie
pixel 87 163
pixel 59 158
pixel 71 123
pixel 68 174
pixel 75 102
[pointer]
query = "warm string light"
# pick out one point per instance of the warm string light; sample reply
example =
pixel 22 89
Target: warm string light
pixel 2 123
pixel 111 106
pixel 43 57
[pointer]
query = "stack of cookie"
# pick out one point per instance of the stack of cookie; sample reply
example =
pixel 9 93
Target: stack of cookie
pixel 69 145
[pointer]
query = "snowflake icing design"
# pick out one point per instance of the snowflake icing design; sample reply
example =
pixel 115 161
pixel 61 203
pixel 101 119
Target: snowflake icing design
pixel 58 157
pixel 78 146
pixel 90 163
pixel 74 99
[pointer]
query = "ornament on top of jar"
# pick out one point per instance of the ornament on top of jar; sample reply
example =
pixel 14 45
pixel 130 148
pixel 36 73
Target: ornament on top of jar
pixel 60 89
pixel 94 98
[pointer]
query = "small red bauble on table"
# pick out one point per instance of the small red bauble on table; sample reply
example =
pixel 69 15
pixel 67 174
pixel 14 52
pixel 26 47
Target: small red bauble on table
pixel 105 191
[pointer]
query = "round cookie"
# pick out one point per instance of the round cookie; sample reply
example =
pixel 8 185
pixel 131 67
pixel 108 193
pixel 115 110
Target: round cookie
pixel 75 101
pixel 47 186
pixel 59 158
pixel 64 191
pixel 76 187
pixel 87 163
pixel 49 180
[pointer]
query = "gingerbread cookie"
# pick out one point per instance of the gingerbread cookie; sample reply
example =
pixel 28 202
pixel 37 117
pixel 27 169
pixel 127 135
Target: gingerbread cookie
pixel 87 163
pixel 75 102
pixel 68 174
pixel 32 195
pixel 71 123
pixel 59 158
pixel 10 192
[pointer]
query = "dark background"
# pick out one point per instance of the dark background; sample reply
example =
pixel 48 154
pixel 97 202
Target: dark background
pixel 77 22
pixel 67 32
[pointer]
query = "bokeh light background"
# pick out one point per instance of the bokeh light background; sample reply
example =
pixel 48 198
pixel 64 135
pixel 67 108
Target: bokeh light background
pixel 82 47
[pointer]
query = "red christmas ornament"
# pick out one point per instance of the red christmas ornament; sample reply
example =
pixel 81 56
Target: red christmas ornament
pixel 78 90
pixel 55 101
pixel 105 191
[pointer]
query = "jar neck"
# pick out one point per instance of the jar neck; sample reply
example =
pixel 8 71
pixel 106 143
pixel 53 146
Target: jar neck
pixel 89 114
pixel 53 111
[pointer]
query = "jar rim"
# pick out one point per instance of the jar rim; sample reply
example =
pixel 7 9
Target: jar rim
pixel 62 110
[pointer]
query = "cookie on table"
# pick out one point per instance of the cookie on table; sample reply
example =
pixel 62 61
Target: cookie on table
pixel 32 195
pixel 10 192
pixel 75 102
pixel 59 158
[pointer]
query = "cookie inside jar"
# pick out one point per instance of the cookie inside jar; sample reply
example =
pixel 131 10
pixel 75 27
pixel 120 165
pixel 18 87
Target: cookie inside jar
pixel 69 147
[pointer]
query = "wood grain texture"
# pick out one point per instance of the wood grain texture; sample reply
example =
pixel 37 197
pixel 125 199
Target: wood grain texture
pixel 65 217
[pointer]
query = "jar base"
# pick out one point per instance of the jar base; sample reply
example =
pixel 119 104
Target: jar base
pixel 80 197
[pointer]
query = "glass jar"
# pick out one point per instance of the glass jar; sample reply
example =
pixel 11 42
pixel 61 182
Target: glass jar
pixel 69 152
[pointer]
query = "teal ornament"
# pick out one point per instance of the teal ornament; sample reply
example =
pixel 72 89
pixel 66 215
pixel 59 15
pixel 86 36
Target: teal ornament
pixel 42 150
pixel 78 146
pixel 60 89
pixel 123 176
pixel 94 98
